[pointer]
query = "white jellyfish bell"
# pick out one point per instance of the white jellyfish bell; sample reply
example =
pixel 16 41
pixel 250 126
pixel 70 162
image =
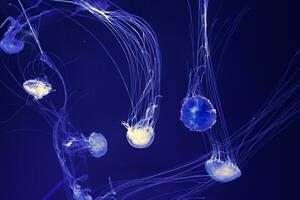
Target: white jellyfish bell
pixel 139 136
pixel 222 171
pixel 37 88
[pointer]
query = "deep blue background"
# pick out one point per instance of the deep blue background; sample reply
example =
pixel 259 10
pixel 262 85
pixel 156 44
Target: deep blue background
pixel 257 55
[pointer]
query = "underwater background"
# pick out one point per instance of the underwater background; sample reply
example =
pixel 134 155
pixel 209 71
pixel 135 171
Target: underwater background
pixel 256 57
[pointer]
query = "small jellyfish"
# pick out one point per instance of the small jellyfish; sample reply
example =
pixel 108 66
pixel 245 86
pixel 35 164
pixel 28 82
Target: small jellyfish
pixel 37 88
pixel 198 114
pixel 81 194
pixel 97 145
pixel 222 171
pixel 139 136
pixel 11 45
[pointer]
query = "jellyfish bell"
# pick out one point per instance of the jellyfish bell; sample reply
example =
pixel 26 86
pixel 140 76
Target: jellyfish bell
pixel 198 113
pixel 139 136
pixel 222 171
pixel 12 42
pixel 11 46
pixel 97 144
pixel 37 88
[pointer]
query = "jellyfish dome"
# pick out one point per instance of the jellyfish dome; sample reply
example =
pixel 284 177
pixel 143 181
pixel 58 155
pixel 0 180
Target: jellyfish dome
pixel 11 46
pixel 97 145
pixel 222 171
pixel 198 113
pixel 140 136
pixel 37 88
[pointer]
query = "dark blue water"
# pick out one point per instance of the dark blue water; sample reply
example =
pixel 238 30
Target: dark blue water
pixel 257 55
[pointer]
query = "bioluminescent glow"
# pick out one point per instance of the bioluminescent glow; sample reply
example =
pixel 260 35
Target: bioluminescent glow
pixel 37 88
pixel 222 171
pixel 198 94
pixel 140 136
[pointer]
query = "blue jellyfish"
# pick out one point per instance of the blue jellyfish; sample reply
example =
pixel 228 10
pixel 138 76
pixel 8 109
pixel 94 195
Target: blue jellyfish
pixel 197 110
pixel 12 42
pixel 228 152
pixel 11 45
pixel 198 114
pixel 95 145
pixel 222 171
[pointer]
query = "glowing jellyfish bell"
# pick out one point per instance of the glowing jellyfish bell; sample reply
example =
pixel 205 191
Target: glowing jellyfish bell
pixel 198 113
pixel 222 171
pixel 139 136
pixel 11 45
pixel 37 88
pixel 97 144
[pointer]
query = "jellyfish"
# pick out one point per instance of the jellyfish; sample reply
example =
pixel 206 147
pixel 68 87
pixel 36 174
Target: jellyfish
pixel 222 171
pixel 37 88
pixel 230 151
pixel 224 161
pixel 227 153
pixel 198 114
pixel 12 42
pixel 140 46
pixel 198 111
pixel 95 144
pixel 201 109
pixel 139 136
pixel 142 50
pixel 81 194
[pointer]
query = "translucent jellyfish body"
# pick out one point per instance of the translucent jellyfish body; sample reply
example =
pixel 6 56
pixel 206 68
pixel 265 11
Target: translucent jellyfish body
pixel 95 145
pixel 198 113
pixel 81 194
pixel 139 136
pixel 11 45
pixel 37 88
pixel 10 42
pixel 222 171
